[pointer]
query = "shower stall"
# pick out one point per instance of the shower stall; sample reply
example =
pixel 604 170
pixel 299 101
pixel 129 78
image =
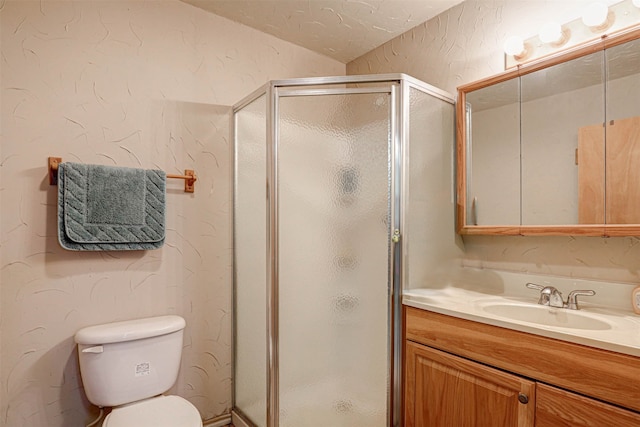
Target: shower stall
pixel 331 204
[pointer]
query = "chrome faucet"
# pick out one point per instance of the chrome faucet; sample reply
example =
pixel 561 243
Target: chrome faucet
pixel 572 299
pixel 552 297
pixel 548 295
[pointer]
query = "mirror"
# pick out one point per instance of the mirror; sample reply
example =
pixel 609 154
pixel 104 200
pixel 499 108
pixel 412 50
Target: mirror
pixel 553 147
pixel 622 162
pixel 493 117
pixel 557 102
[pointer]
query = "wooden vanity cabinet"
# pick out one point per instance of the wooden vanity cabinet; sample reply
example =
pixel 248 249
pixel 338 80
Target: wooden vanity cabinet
pixel 468 374
pixel 445 390
pixel 560 408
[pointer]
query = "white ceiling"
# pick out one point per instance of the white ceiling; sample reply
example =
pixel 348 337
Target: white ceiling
pixel 340 29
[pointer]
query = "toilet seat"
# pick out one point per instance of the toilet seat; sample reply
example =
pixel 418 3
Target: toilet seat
pixel 161 411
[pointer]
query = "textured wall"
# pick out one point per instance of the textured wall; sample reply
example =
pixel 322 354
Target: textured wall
pixel 129 83
pixel 462 45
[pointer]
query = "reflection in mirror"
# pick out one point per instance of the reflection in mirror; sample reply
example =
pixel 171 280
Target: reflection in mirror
pixel 557 104
pixel 623 134
pixel 493 116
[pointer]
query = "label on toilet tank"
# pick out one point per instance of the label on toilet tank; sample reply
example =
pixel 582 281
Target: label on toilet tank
pixel 143 369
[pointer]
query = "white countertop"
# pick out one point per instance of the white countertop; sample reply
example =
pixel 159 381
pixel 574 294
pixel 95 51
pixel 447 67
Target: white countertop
pixel 622 333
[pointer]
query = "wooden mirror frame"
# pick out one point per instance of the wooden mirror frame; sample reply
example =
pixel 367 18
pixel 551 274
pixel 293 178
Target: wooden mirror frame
pixel 603 230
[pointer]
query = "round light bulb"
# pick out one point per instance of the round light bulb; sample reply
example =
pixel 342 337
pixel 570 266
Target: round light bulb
pixel 595 14
pixel 514 46
pixel 551 32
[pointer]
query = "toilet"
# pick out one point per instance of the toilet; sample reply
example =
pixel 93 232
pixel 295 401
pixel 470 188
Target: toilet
pixel 128 365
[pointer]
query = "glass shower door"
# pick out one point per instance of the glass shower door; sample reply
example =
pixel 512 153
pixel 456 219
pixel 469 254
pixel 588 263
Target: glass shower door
pixel 250 228
pixel 334 215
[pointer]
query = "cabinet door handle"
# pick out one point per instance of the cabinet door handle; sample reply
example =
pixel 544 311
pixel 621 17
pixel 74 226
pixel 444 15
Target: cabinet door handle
pixel 523 398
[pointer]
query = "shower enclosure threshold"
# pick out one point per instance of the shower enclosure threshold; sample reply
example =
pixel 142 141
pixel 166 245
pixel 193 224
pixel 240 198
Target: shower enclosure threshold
pixel 238 421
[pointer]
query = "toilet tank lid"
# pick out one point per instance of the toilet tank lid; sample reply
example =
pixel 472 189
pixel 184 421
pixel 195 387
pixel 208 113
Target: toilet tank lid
pixel 129 330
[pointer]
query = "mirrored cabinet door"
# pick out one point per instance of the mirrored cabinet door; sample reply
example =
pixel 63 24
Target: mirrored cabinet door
pixel 622 161
pixel 552 147
pixel 557 104
pixel 493 138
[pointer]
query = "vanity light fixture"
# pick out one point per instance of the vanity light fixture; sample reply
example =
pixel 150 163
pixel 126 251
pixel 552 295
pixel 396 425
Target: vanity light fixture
pixel 553 34
pixel 601 19
pixel 515 47
pixel 595 16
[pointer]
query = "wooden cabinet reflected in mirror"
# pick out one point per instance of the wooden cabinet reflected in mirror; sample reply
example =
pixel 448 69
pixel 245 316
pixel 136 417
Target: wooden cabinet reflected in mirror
pixel 609 174
pixel 553 147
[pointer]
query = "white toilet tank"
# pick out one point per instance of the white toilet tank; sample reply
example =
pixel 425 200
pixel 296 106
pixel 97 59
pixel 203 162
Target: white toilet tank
pixel 124 362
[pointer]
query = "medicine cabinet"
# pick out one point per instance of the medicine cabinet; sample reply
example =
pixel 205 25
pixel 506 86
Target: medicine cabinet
pixel 553 147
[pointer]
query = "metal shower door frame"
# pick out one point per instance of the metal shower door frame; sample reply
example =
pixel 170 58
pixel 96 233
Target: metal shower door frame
pixel 398 88
pixel 273 329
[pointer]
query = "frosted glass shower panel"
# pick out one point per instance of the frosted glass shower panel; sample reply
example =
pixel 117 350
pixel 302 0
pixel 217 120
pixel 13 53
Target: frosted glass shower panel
pixel 250 262
pixel 334 209
pixel 429 196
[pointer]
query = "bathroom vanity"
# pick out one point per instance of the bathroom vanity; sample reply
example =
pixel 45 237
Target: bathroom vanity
pixel 463 372
pixel 551 147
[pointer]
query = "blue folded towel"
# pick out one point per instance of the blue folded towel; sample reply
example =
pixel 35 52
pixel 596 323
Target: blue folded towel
pixel 106 208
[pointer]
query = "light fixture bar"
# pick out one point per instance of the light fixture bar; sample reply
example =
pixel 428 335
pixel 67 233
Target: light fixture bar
pixel 597 21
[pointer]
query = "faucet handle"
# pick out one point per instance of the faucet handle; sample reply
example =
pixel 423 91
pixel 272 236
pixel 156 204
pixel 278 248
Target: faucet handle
pixel 572 299
pixel 545 292
pixel 534 286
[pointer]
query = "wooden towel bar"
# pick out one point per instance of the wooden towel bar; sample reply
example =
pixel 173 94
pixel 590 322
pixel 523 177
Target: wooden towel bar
pixel 189 176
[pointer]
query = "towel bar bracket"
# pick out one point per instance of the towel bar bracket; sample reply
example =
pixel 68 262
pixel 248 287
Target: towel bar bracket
pixel 53 169
pixel 189 176
pixel 189 180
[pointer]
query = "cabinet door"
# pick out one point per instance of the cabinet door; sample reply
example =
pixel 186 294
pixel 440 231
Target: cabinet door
pixel 559 408
pixel 591 169
pixel 623 173
pixel 620 162
pixel 445 390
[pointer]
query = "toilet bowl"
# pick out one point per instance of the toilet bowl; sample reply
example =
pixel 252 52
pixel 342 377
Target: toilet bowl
pixel 161 411
pixel 129 365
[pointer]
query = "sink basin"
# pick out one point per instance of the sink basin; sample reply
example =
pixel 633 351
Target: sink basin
pixel 425 299
pixel 548 316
